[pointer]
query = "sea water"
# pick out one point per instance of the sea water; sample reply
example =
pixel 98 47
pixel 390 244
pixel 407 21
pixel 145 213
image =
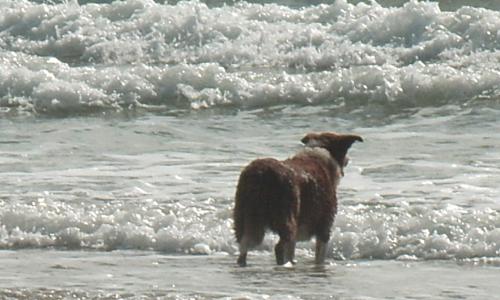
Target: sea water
pixel 124 126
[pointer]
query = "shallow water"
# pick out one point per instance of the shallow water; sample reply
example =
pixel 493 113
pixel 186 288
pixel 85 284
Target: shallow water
pixel 167 183
pixel 124 126
pixel 128 274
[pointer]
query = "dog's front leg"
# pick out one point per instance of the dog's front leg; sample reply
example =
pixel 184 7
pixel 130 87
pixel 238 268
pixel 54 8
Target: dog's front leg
pixel 320 251
pixel 285 252
pixel 279 251
pixel 290 252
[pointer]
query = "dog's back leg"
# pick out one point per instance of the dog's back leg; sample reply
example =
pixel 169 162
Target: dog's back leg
pixel 285 248
pixel 253 234
pixel 250 231
pixel 242 259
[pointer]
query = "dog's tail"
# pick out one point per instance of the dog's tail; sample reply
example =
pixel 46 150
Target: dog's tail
pixel 262 200
pixel 249 217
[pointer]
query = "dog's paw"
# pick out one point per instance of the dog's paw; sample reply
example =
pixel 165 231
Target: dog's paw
pixel 242 262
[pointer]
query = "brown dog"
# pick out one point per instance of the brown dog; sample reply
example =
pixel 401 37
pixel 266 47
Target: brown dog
pixel 295 198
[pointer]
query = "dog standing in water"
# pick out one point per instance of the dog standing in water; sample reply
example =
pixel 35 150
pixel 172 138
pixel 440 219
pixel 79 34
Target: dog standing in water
pixel 295 198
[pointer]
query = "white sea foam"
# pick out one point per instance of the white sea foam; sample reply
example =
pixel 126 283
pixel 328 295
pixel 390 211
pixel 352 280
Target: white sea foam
pixel 360 231
pixel 70 58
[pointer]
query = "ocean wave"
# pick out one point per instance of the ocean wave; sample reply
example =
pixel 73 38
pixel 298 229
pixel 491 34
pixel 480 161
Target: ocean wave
pixel 75 59
pixel 361 231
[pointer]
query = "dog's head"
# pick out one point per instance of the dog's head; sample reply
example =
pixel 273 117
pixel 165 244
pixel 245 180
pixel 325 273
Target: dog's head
pixel 336 144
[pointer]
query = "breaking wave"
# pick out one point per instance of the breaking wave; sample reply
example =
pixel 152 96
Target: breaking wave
pixel 70 58
pixel 362 231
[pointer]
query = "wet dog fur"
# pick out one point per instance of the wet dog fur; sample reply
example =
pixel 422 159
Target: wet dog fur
pixel 295 198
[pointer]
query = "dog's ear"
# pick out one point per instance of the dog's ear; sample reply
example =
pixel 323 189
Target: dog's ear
pixel 313 140
pixel 338 144
pixel 346 140
pixel 327 139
